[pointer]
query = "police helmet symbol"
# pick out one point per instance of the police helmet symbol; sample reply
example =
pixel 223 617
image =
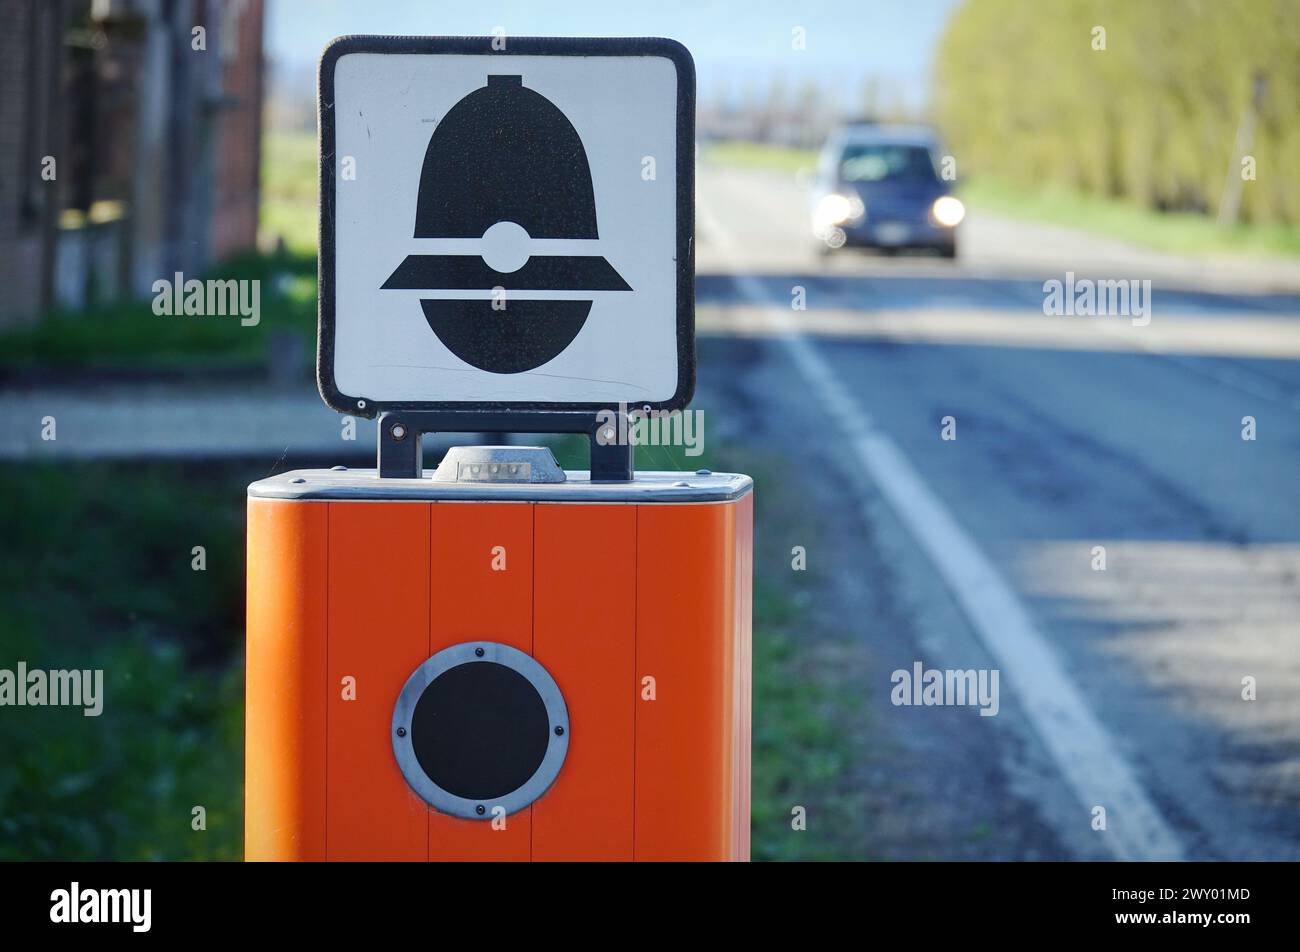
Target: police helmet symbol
pixel 505 154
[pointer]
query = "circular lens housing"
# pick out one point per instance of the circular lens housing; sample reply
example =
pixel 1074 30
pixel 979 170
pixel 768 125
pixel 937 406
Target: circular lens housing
pixel 480 729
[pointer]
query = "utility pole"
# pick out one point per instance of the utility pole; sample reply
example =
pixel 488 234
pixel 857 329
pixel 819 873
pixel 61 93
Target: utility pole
pixel 1230 205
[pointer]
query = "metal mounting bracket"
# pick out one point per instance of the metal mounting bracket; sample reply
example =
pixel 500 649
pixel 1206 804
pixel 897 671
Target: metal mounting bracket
pixel 401 433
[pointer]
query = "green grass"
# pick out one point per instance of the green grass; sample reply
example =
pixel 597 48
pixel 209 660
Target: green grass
pixel 1177 232
pixel 290 169
pixel 96 574
pixel 759 155
pixel 129 336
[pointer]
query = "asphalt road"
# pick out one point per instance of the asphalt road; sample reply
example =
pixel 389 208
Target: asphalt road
pixel 1120 688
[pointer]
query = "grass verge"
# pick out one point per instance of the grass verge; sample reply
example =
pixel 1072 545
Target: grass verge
pixel 127 335
pixel 96 573
pixel 290 179
pixel 1175 232
pixel 758 155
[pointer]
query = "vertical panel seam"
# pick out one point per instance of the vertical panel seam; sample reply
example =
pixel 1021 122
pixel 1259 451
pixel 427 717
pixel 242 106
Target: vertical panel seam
pixel 636 631
pixel 325 688
pixel 428 645
pixel 532 624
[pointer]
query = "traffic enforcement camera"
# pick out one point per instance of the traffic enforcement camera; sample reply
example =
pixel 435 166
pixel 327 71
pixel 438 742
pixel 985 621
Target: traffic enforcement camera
pixel 502 660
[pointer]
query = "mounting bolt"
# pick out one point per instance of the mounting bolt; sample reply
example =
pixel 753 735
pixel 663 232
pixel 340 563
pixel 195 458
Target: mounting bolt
pixel 480 809
pixel 397 431
pixel 401 732
pixel 559 730
pixel 478 652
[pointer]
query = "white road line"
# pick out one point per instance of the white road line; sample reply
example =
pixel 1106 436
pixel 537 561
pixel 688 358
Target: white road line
pixel 1085 753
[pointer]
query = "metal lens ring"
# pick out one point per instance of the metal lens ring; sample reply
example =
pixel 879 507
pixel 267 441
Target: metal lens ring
pixel 480 730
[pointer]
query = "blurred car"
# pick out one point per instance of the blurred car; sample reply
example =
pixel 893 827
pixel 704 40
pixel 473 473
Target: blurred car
pixel 879 186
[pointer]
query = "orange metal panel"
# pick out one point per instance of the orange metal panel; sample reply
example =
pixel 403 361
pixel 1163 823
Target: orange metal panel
pixel 687 787
pixel 452 839
pixel 585 635
pixel 481 572
pixel 378 634
pixel 284 749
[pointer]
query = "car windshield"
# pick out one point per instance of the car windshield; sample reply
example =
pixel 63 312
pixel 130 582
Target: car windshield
pixel 882 162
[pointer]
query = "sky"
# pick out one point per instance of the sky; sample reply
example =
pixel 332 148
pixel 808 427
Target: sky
pixel 736 45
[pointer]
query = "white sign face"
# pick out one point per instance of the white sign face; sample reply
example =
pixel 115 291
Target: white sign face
pixel 506 227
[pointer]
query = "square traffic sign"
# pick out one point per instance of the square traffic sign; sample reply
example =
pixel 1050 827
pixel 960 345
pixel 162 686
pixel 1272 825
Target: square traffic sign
pixel 506 223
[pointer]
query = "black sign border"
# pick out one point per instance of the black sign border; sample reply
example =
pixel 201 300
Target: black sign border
pixel 365 406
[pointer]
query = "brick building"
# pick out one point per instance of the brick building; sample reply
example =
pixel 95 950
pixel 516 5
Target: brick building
pixel 130 145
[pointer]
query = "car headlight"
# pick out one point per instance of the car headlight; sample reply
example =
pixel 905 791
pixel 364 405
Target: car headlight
pixel 948 211
pixel 835 209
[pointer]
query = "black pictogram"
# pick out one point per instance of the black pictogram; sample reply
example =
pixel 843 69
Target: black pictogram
pixel 506 153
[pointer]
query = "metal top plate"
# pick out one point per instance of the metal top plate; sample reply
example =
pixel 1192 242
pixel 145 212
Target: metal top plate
pixel 364 484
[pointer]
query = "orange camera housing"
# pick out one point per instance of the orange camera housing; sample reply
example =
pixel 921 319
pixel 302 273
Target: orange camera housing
pixel 635 597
